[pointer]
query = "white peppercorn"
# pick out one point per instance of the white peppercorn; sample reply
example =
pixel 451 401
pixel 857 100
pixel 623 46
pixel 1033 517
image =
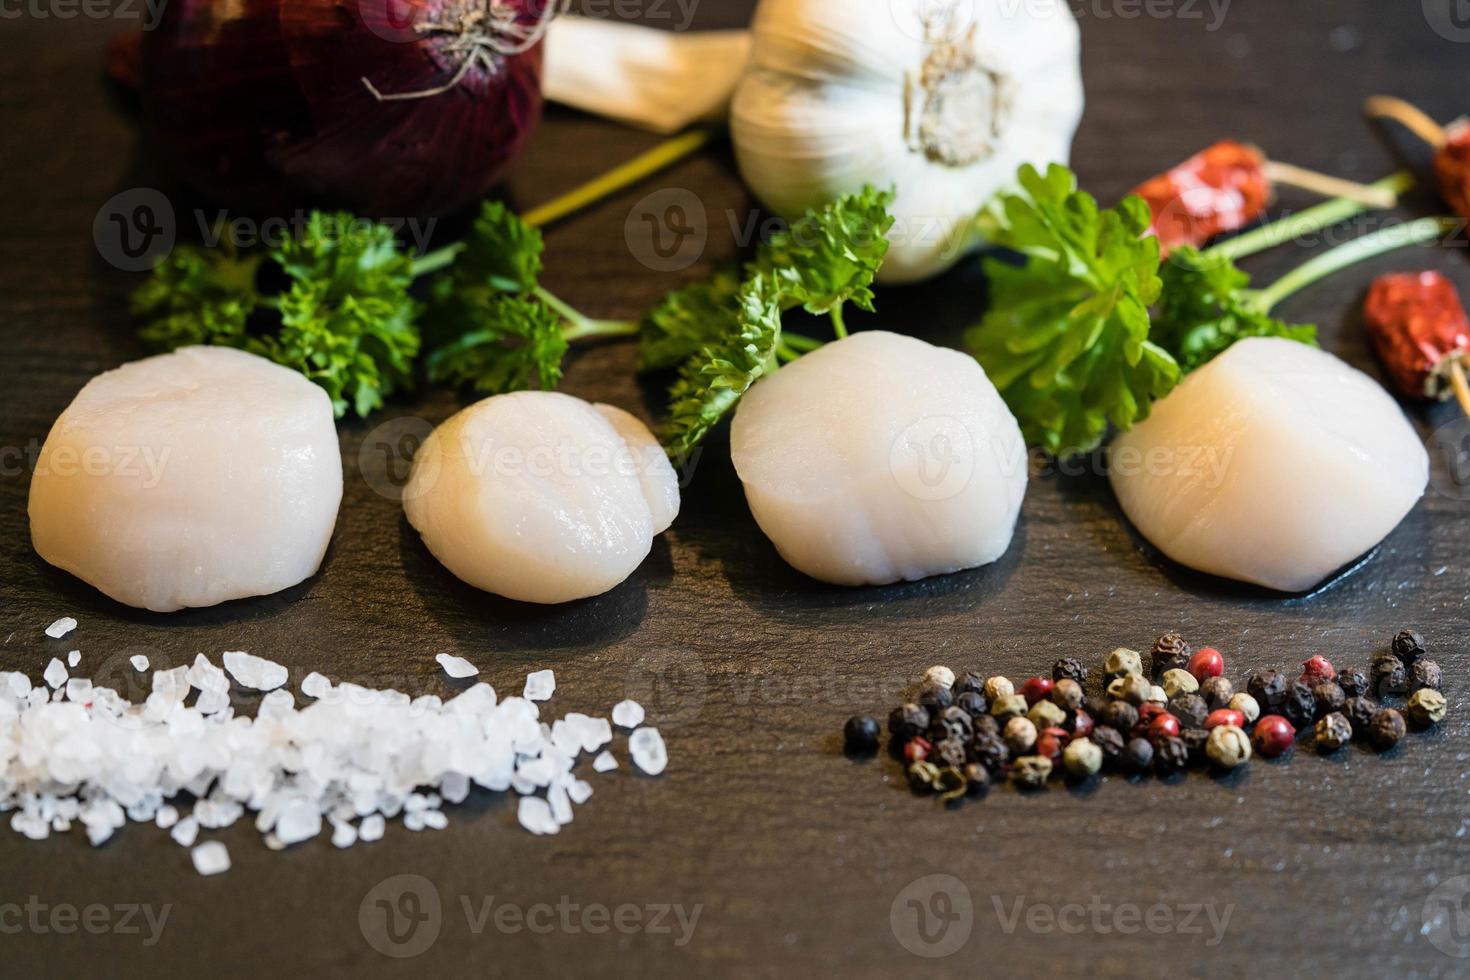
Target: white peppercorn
pixel 1333 732
pixel 940 675
pixel 1176 682
pixel 1123 661
pixel 1082 758
pixel 1044 714
pixel 1007 706
pixel 1156 695
pixel 1427 706
pixel 1228 746
pixel 1247 707
pixel 1031 771
pixel 998 687
pixel 1019 735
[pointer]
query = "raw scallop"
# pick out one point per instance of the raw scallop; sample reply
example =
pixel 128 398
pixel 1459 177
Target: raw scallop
pixel 879 458
pixel 188 479
pixel 1276 464
pixel 540 496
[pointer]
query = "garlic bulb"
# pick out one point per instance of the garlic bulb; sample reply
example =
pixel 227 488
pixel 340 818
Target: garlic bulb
pixel 941 99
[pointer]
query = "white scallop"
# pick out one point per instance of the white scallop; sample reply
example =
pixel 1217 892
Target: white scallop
pixel 189 479
pixel 879 458
pixel 1275 464
pixel 541 497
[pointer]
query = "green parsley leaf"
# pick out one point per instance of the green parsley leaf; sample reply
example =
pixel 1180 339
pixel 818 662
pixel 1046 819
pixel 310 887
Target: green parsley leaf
pixel 1066 339
pixel 517 343
pixel 689 319
pixel 1205 307
pixel 829 256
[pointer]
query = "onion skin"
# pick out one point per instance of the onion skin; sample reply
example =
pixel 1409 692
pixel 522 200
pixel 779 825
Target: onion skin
pixel 260 104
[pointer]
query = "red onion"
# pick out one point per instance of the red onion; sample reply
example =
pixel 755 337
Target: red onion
pixel 393 108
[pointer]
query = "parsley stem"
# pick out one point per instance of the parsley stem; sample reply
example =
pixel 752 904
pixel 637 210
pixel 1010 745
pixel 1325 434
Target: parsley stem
pixel 582 326
pixel 435 260
pixel 644 165
pixel 1307 222
pixel 838 327
pixel 799 342
pixel 1359 249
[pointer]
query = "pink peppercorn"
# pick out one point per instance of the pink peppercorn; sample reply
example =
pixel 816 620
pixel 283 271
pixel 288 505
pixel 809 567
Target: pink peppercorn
pixel 1147 712
pixel 1317 670
pixel 916 750
pixel 1037 689
pixel 1206 663
pixel 1163 726
pixel 1081 724
pixel 1273 735
pixel 1049 743
pixel 1224 716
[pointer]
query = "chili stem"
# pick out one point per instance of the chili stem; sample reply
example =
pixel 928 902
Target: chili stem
pixel 1358 250
pixel 1329 186
pixel 642 166
pixel 1306 222
pixel 1410 116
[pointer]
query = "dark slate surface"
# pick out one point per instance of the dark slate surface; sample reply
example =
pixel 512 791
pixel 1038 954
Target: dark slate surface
pixel 796 859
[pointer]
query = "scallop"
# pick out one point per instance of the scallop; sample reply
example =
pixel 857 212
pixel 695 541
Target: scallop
pixel 541 497
pixel 189 479
pixel 881 458
pixel 1275 464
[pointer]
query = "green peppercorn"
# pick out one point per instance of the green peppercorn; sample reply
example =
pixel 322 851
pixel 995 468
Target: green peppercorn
pixel 1109 742
pixel 1069 669
pixel 1333 732
pixel 1300 706
pixel 1386 728
pixel 1067 694
pixel 972 703
pixel 1427 706
pixel 1408 646
pixel 1389 675
pixel 908 721
pixel 1169 652
pixel 1020 736
pixel 1177 681
pixel 1268 687
pixel 990 751
pixel 1190 709
pixel 998 687
pixel 1170 755
pixel 1006 707
pixel 1425 673
pixel 1217 692
pixel 1118 714
pixel 953 722
pixel 1044 714
pixel 1359 712
pixel 1228 746
pixel 1138 755
pixel 1246 705
pixel 1133 688
pixel 952 786
pixel 1082 758
pixel 1329 696
pixel 1354 683
pixel 923 777
pixel 1123 661
pixel 1031 771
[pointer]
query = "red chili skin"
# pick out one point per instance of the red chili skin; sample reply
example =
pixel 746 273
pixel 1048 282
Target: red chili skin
pixel 1222 188
pixel 1224 716
pixel 1452 170
pixel 1417 323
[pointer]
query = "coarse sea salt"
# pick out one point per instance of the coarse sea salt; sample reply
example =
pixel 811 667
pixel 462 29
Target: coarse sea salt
pixel 346 762
pixel 139 662
pixel 74 658
pixel 61 627
pixel 627 714
pixel 456 667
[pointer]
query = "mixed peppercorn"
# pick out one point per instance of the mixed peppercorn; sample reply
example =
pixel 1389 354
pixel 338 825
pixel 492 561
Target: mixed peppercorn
pixel 962 733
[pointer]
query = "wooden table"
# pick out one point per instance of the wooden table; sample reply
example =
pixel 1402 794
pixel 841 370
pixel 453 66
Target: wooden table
pixel 798 861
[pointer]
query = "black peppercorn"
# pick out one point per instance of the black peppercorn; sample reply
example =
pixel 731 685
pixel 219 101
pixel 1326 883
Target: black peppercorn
pixel 1300 706
pixel 935 697
pixel 1194 740
pixel 1386 728
pixel 1138 755
pixel 1268 687
pixel 977 778
pixel 1170 755
pixel 953 723
pixel 1169 651
pixel 972 703
pixel 1217 692
pixel 860 734
pixel 968 683
pixel 1069 669
pixel 949 753
pixel 1359 713
pixel 1118 714
pixel 1426 673
pixel 1408 646
pixel 1111 743
pixel 985 725
pixel 990 751
pixel 1330 697
pixel 1389 675
pixel 1354 683
pixel 908 721
pixel 1190 709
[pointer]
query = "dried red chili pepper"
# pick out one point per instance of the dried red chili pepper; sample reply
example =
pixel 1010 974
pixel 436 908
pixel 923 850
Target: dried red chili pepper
pixel 1419 327
pixel 1222 188
pixel 1452 169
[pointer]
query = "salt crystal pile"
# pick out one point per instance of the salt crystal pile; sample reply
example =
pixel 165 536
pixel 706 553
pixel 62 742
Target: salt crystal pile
pixel 342 765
